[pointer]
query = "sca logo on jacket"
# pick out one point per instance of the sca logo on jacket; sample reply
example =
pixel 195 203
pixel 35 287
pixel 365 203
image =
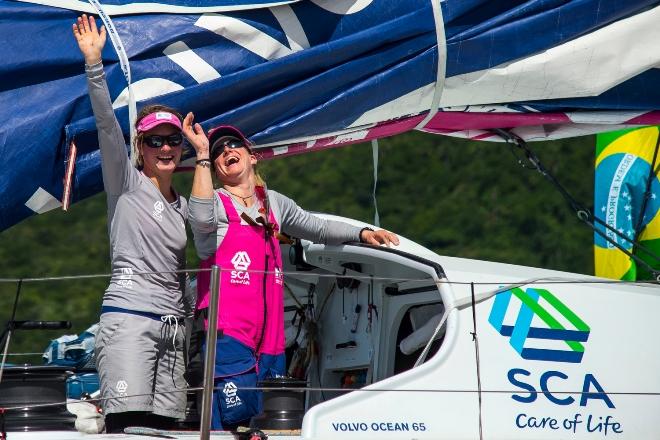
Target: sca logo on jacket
pixel 241 262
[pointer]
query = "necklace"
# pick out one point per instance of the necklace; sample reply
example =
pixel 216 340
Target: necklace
pixel 241 197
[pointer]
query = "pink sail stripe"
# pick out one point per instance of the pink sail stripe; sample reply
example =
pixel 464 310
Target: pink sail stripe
pixel 485 121
pixel 650 118
pixel 468 125
pixel 385 129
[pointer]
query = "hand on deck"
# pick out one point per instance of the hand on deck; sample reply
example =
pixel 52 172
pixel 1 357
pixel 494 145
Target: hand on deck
pixel 90 39
pixel 379 237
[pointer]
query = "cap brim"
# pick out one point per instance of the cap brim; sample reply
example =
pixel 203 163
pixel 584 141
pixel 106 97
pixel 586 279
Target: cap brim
pixel 157 123
pixel 228 130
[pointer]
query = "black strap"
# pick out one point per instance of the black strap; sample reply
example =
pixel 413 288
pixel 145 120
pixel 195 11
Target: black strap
pixel 647 192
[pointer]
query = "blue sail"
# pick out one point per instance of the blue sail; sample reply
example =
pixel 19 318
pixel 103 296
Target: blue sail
pixel 296 76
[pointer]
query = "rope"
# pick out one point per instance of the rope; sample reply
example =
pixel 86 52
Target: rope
pixel 425 352
pixel 647 192
pixel 476 353
pixel 167 319
pixel 554 280
pixel 10 328
pixel 101 275
pixel 125 68
pixel 582 213
pixel 24 354
pixel 374 152
pixel 24 407
pixel 441 71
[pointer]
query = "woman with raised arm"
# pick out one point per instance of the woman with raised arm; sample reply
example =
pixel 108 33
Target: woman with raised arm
pixel 237 227
pixel 139 346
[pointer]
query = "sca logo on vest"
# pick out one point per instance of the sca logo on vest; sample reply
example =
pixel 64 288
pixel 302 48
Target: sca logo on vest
pixel 241 262
pixel 231 399
pixel 158 211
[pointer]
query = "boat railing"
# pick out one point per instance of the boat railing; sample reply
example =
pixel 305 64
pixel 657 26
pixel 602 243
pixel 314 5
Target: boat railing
pixel 215 299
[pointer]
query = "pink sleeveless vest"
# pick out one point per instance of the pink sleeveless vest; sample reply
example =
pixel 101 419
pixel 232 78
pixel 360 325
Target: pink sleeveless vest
pixel 243 256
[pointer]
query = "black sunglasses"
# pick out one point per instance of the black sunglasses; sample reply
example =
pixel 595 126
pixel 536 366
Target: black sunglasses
pixel 232 144
pixel 157 141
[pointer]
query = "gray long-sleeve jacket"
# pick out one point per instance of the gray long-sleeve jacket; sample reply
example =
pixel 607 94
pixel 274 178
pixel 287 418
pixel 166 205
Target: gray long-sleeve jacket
pixel 209 223
pixel 147 233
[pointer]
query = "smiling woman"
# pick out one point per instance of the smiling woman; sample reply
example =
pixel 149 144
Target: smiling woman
pixel 139 344
pixel 159 144
pixel 239 226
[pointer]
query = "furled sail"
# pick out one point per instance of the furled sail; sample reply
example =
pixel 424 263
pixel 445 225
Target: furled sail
pixel 298 76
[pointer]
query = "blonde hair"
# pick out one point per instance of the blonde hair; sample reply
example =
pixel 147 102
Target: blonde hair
pixel 258 179
pixel 139 162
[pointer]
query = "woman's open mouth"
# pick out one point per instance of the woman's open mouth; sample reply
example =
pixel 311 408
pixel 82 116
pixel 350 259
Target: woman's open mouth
pixel 231 160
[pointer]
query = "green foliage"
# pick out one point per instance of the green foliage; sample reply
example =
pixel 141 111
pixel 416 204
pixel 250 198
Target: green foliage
pixel 458 198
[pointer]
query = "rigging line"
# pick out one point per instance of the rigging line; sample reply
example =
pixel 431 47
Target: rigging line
pixel 636 244
pixel 425 352
pixel 325 301
pixel 24 354
pixel 441 72
pixel 293 296
pixel 618 246
pixel 449 391
pixel 125 66
pixel 647 192
pixel 433 282
pixel 582 213
pixel 24 407
pixel 476 353
pixel 554 280
pixel 98 275
pixel 10 328
pixel 374 152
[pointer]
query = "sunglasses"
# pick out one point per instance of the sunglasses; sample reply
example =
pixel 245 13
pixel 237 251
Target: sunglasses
pixel 232 144
pixel 157 141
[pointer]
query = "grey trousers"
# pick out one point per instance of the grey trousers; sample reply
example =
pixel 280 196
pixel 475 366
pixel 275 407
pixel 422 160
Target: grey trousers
pixel 140 361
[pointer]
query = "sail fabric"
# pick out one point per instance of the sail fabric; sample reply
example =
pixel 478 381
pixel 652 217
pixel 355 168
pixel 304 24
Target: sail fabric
pixel 114 7
pixel 300 76
pixel 627 198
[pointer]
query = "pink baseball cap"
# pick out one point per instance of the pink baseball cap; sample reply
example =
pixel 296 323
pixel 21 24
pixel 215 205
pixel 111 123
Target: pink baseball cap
pixel 155 119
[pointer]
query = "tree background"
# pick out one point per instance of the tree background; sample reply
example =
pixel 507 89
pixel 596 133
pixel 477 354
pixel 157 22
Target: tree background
pixel 456 197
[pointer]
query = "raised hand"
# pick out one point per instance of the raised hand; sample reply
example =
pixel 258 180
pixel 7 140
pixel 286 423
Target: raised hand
pixel 196 136
pixel 90 39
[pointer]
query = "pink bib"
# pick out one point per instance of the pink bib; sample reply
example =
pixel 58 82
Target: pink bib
pixel 243 256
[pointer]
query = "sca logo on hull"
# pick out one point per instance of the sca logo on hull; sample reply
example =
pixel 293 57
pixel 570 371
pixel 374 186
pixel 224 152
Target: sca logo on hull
pixel 522 330
pixel 542 328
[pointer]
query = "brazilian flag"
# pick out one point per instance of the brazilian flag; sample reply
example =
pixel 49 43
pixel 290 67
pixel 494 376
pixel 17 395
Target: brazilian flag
pixel 627 198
